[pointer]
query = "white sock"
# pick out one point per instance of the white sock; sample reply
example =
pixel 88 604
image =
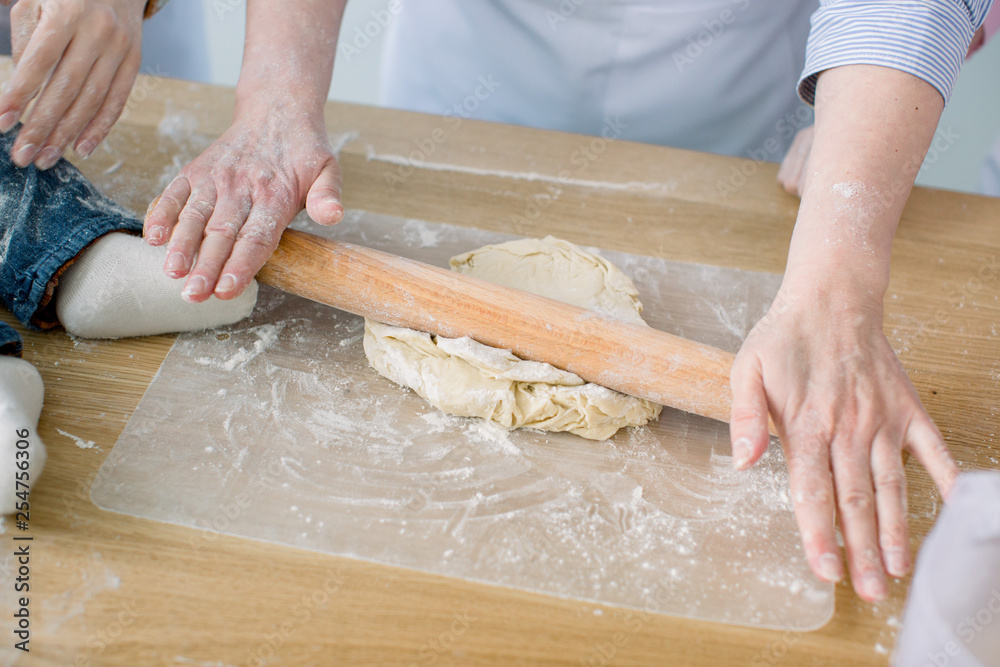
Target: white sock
pixel 21 394
pixel 117 289
pixel 953 612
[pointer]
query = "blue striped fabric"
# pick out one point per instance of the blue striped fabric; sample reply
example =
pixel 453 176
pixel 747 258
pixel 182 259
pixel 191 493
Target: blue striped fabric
pixel 925 38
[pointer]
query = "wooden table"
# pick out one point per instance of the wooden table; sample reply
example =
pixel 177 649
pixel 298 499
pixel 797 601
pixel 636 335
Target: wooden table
pixel 114 590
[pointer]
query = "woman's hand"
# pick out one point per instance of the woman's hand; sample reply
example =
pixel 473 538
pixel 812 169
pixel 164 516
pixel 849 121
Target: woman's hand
pixel 819 363
pixel 792 172
pixel 78 60
pixel 224 213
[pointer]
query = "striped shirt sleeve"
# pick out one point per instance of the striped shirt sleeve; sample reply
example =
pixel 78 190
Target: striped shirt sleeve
pixel 926 38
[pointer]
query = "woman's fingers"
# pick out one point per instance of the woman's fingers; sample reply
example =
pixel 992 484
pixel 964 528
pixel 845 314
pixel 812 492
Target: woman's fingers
pixel 813 498
pixel 229 217
pixel 323 202
pixel 189 231
pixel 852 474
pixel 925 442
pixel 257 240
pixel 58 120
pixel 890 503
pixel 100 123
pixel 165 210
pixel 82 62
pixel 748 423
pixel 42 54
pixel 77 61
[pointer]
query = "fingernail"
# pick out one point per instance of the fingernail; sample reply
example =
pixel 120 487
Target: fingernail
pixel 24 155
pixel 156 236
pixel 86 148
pixel 8 121
pixel 227 283
pixel 873 586
pixel 195 286
pixel 174 263
pixel 829 568
pixel 895 562
pixel 47 158
pixel 741 453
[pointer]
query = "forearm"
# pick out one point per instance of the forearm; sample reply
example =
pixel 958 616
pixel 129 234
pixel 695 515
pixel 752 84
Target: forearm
pixel 289 53
pixel 873 127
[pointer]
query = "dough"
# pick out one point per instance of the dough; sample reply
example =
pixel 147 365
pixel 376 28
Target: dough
pixel 462 377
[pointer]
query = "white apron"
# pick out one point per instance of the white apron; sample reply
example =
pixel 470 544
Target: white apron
pixel 710 75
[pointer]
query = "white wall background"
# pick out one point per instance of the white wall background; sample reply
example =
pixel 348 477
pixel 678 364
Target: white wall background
pixel 213 48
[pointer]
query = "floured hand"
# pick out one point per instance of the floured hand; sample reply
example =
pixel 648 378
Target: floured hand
pixel 819 363
pixel 224 213
pixel 78 60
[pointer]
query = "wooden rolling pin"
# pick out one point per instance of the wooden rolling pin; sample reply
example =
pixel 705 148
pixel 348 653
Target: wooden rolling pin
pixel 629 358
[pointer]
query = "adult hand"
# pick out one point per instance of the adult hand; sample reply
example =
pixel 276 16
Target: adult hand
pixel 819 363
pixel 78 60
pixel 224 213
pixel 792 172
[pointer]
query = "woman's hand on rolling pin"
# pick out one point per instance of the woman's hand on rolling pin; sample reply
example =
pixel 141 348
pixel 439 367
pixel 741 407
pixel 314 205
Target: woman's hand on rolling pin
pixel 821 366
pixel 792 172
pixel 225 212
pixel 78 60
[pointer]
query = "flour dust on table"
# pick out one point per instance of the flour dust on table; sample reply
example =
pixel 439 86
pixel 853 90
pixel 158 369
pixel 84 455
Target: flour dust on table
pixel 465 378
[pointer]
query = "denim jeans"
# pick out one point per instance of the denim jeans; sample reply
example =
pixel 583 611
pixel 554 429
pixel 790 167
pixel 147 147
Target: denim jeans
pixel 46 219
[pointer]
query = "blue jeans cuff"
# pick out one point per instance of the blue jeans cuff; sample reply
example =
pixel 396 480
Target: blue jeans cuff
pixel 46 219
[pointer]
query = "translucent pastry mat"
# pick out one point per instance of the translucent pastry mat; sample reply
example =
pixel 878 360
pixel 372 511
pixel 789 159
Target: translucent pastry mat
pixel 277 429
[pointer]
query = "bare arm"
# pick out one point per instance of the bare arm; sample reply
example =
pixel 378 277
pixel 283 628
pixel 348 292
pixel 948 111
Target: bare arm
pixel 819 361
pixel 224 213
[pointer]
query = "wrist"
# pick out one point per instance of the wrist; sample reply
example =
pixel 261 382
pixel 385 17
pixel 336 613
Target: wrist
pixel 252 106
pixel 835 287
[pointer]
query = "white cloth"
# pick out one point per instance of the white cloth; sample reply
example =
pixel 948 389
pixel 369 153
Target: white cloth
pixel 953 613
pixel 710 75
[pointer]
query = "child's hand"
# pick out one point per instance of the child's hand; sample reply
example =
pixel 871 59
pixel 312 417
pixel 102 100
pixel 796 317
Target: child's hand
pixel 78 60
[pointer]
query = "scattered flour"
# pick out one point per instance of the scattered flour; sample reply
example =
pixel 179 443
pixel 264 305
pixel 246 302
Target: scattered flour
pixel 267 334
pixel 337 142
pixel 80 442
pixel 641 186
pixel 419 234
pixel 849 189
